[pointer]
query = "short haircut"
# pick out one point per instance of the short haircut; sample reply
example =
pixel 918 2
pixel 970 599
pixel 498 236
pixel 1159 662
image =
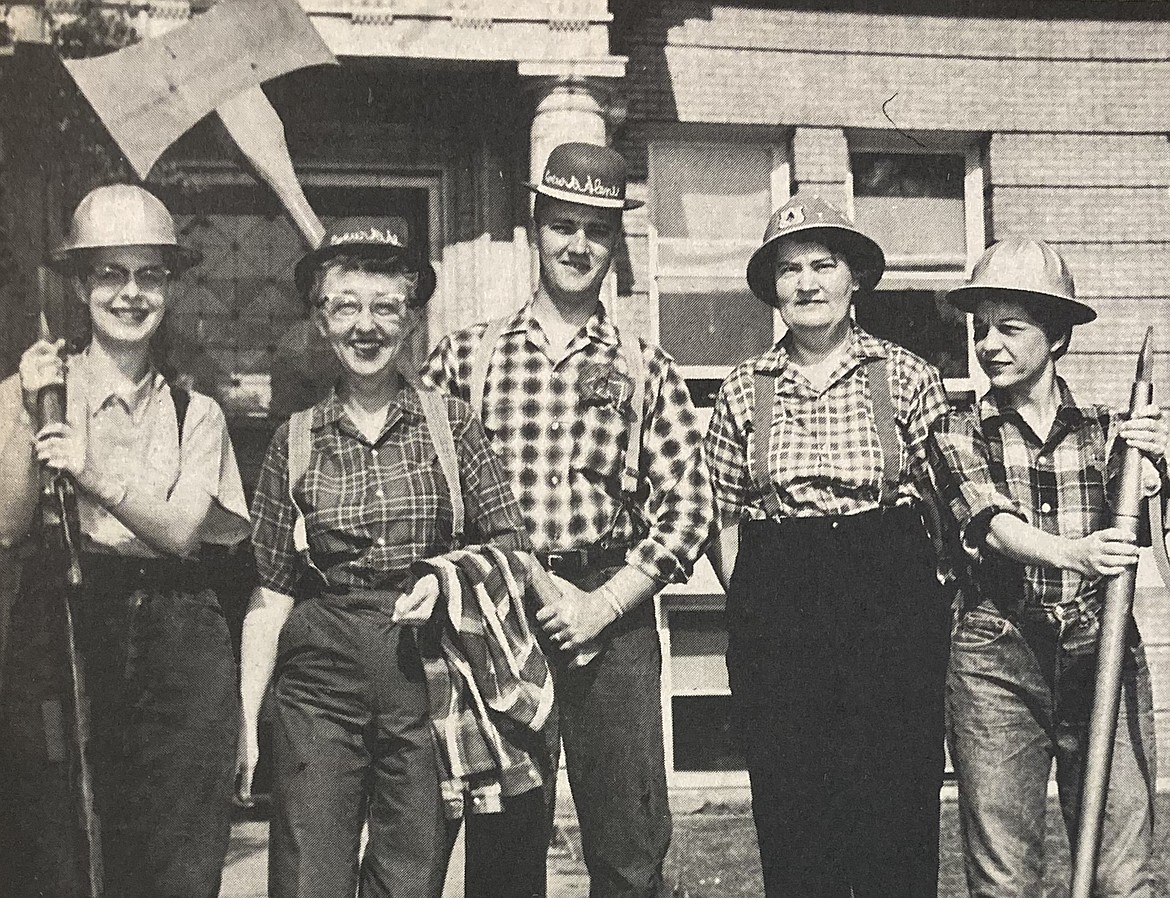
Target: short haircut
pixel 374 264
pixel 1055 322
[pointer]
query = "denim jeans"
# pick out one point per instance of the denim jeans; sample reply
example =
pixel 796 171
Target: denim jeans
pixel 1016 701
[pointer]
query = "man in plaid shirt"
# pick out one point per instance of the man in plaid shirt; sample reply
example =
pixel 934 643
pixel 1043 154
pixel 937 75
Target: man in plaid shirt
pixel 560 405
pixel 1028 476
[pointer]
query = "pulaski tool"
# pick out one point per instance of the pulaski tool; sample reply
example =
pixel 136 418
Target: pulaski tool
pixel 149 94
pixel 1111 648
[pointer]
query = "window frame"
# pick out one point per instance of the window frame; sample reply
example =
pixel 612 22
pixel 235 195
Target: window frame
pixel 778 143
pixel 902 275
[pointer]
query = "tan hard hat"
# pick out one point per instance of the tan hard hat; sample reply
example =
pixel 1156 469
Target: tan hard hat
pixel 1024 267
pixel 123 215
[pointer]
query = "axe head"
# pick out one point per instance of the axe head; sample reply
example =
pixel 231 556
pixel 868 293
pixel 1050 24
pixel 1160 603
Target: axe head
pixel 150 94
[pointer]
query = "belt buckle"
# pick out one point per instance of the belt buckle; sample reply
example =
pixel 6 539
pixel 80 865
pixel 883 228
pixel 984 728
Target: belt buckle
pixel 566 559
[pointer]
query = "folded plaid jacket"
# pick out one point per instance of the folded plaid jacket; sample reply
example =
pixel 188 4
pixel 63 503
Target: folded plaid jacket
pixel 488 684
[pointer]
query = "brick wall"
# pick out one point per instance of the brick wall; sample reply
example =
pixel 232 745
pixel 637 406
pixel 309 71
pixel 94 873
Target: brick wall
pixel 1073 115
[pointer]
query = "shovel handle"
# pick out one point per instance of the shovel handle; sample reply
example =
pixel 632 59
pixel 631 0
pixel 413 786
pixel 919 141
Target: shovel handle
pixel 259 133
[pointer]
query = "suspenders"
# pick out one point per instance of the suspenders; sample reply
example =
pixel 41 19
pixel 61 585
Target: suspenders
pixel 877 374
pixel 300 445
pixel 632 352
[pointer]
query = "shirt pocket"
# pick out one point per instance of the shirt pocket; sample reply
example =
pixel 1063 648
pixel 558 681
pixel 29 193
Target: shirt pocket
pixel 600 435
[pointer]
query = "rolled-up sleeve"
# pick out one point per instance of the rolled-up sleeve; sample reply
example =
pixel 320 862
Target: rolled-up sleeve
pixel 961 461
pixel 273 517
pixel 678 506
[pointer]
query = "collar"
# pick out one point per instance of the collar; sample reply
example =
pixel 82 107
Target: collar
pixel 103 383
pixel 991 410
pixel 332 410
pixel 599 328
pixel 862 347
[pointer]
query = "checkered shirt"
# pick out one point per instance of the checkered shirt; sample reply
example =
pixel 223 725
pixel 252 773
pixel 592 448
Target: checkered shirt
pixel 488 684
pixel 374 509
pixel 561 429
pixel 826 456
pixel 987 460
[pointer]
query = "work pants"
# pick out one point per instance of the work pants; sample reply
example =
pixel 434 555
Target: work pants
pixel 160 677
pixel 352 745
pixel 837 647
pixel 610 721
pixel 1017 700
pixel 611 728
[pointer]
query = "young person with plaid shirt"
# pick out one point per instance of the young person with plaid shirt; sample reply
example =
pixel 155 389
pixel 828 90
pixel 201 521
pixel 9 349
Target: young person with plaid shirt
pixel 1027 475
pixel 560 406
pixel 352 740
pixel 837 622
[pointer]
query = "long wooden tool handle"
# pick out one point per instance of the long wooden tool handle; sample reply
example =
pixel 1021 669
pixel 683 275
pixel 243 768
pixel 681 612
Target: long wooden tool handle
pixel 1110 655
pixel 259 133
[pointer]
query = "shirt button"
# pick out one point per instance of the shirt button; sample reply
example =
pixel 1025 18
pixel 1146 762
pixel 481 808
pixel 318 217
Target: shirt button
pixel 835 524
pixel 381 541
pixel 380 494
pixel 374 453
pixel 1046 508
pixel 554 480
pixel 555 426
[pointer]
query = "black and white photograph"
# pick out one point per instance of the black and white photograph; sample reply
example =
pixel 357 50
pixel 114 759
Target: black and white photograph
pixel 584 449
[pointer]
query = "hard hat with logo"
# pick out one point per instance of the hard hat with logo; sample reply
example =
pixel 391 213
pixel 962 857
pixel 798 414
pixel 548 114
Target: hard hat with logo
pixel 813 219
pixel 122 215
pixel 1024 268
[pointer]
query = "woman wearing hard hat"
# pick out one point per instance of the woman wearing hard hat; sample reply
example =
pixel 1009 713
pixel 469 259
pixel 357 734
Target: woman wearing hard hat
pixel 157 482
pixel 1029 475
pixel 837 624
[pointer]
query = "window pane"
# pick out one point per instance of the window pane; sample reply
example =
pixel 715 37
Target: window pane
pixel 711 321
pixel 922 321
pixel 912 204
pixel 703 739
pixel 711 190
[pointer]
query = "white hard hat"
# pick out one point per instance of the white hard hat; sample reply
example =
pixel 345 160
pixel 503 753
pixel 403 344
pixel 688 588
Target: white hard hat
pixel 123 215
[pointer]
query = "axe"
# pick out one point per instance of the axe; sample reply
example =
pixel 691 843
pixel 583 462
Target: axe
pixel 151 93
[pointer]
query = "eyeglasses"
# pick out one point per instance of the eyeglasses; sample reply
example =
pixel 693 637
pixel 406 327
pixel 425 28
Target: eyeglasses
pixel 152 278
pixel 347 307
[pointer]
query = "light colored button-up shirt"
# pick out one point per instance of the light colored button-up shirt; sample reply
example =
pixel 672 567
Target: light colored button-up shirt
pixel 133 432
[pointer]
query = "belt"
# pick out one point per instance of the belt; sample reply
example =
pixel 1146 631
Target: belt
pixel 108 569
pixel 584 558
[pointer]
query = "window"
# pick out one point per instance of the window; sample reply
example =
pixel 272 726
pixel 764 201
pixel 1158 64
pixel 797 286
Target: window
pixel 710 200
pixel 921 198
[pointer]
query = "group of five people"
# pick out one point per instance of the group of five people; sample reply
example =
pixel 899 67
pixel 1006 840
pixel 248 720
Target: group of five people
pixel 438 555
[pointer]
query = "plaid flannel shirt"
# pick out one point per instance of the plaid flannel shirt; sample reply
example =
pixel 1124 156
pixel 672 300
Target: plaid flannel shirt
pixel 987 460
pixel 488 684
pixel 826 455
pixel 561 428
pixel 372 509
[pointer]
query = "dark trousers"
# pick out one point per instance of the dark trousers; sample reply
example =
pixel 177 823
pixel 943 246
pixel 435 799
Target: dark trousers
pixel 610 721
pixel 837 657
pixel 352 744
pixel 161 681
pixel 611 726
pixel 521 833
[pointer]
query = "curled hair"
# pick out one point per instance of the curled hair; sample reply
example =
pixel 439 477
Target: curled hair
pixel 1056 324
pixel 420 283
